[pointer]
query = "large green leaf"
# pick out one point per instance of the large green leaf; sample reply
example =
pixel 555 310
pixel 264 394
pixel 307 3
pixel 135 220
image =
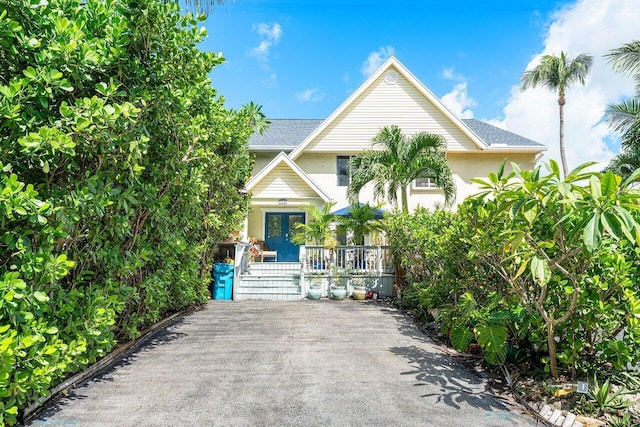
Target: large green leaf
pixel 631 178
pixel 577 174
pixel 530 211
pixel 594 184
pixel 609 183
pixel 555 169
pixel 591 233
pixel 493 341
pixel 611 224
pixel 629 225
pixel 540 270
pixel 461 336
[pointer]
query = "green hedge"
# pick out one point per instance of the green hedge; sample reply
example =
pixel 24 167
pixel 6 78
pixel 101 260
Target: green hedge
pixel 121 167
pixel 539 271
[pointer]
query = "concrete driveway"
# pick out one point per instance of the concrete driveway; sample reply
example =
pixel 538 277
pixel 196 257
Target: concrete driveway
pixel 307 363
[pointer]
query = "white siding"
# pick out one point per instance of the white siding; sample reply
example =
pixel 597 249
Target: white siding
pixel 384 104
pixel 282 182
pixel 321 168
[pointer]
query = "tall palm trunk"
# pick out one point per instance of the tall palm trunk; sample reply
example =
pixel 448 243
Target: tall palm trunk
pixel 403 196
pixel 563 156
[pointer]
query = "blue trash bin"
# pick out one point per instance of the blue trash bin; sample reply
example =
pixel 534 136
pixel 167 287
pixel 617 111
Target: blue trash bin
pixel 222 273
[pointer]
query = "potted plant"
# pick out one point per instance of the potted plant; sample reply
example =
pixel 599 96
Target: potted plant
pixel 359 288
pixel 315 288
pixel 337 288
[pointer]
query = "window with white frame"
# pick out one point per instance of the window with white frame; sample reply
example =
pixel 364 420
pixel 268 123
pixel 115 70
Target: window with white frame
pixel 424 184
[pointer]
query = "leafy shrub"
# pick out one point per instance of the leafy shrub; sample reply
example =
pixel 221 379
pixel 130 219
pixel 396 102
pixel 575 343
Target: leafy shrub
pixel 121 169
pixel 552 262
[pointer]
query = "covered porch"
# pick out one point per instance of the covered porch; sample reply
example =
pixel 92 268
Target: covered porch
pixel 291 280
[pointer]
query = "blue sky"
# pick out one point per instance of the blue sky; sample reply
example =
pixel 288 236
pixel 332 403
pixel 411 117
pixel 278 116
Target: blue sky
pixel 323 45
pixel 302 59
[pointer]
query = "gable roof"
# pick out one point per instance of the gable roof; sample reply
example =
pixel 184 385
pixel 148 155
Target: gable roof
pixel 286 134
pixel 297 134
pixel 392 62
pixel 282 158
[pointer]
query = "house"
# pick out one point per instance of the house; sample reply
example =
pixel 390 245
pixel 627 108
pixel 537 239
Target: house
pixel 299 162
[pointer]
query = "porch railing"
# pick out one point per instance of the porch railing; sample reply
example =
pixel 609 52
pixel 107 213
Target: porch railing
pixel 347 260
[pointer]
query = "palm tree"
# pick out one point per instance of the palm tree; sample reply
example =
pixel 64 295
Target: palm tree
pixel 361 221
pixel 557 73
pixel 255 117
pixel 624 117
pixel 398 162
pixel 318 231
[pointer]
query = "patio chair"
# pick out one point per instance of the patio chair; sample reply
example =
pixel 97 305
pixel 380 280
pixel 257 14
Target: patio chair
pixel 265 252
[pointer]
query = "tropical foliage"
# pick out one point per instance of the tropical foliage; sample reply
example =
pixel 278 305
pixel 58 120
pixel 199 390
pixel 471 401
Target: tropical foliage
pixel 539 267
pixel 398 160
pixel 362 220
pixel 558 73
pixel 120 169
pixel 319 229
pixel 624 117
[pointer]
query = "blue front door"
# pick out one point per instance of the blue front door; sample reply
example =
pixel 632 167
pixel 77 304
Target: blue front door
pixel 279 227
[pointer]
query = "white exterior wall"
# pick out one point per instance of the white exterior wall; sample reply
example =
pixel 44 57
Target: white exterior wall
pixel 383 104
pixel 466 167
pixel 321 168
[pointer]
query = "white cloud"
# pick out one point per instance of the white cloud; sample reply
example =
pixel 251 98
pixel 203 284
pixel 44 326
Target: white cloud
pixel 459 101
pixel 450 74
pixel 586 26
pixel 269 37
pixel 310 95
pixel 375 59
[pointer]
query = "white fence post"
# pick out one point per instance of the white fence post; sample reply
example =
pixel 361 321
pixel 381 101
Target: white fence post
pixel 302 256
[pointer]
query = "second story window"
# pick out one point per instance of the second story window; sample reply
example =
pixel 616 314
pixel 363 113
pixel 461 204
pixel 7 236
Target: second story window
pixel 342 170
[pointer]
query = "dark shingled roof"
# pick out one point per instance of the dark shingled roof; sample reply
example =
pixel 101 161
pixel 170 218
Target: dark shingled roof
pixel 493 135
pixel 285 134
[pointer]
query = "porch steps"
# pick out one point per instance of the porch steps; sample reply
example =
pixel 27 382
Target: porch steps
pixel 270 281
pixel 274 268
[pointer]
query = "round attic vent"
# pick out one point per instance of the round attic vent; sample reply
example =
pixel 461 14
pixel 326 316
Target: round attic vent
pixel 391 77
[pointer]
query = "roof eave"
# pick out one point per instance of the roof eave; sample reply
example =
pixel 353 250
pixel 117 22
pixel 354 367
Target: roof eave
pixel 518 149
pixel 275 148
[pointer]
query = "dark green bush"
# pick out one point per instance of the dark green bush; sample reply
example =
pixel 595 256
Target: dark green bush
pixel 121 168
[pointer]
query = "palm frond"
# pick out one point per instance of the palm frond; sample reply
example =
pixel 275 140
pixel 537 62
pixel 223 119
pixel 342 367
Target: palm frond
pixel 398 160
pixel 626 58
pixel 578 69
pixel 557 72
pixel 363 169
pixel 622 116
pixel 423 142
